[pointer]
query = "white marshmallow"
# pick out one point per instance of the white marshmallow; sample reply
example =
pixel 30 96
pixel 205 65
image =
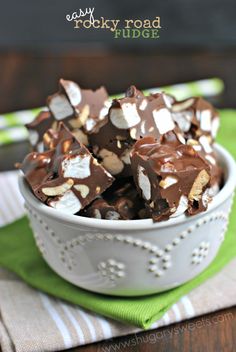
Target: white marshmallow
pixel 211 159
pixel 182 207
pixel 76 167
pixel 163 120
pixel 144 183
pixel 60 107
pixel 203 140
pixel 103 112
pixel 33 137
pixel 73 92
pixel 125 117
pixel 183 119
pixel 89 124
pixel 205 120
pixel 143 129
pixel 206 197
pixel 69 203
pixel 215 126
pixel 143 105
pixel 168 100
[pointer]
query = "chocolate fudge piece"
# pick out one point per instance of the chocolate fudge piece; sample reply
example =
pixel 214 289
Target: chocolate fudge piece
pixel 66 177
pixel 129 119
pixel 120 202
pixel 79 108
pixel 172 180
pixel 196 118
pixel 37 128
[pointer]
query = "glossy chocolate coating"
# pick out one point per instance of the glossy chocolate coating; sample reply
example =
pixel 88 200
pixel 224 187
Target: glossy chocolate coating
pixel 164 173
pixel 37 128
pixel 129 119
pixel 196 117
pixel 78 108
pixel 66 170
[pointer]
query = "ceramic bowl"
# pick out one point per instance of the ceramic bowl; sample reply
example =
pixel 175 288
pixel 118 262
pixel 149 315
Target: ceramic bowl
pixel 134 257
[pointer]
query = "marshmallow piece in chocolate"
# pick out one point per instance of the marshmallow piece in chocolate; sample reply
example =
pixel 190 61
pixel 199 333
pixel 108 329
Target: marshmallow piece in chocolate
pixel 196 117
pixel 120 202
pixel 79 108
pixel 66 177
pixel 37 128
pixel 131 118
pixel 172 180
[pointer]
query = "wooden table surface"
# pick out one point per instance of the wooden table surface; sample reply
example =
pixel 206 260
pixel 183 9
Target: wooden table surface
pixel 26 79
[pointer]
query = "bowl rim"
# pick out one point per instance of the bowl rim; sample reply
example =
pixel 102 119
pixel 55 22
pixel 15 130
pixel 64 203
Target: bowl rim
pixel 140 224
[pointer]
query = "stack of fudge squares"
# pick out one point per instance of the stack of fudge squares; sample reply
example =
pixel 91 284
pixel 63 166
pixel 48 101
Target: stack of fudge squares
pixel 130 158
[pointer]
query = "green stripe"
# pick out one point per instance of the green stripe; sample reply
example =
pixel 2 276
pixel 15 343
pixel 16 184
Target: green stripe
pixel 7 136
pixel 13 119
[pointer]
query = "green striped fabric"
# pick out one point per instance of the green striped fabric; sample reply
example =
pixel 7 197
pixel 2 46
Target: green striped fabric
pixel 12 124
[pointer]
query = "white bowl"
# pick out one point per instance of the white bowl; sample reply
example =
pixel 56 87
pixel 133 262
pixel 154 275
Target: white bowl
pixel 133 257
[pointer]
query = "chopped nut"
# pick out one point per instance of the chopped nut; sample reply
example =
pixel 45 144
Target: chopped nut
pixel 119 144
pixel 83 189
pixel 47 140
pixel 144 183
pixel 98 189
pixel 200 182
pixel 81 136
pixel 66 146
pixel 58 190
pixel 75 123
pixel 192 142
pixel 167 182
pixel 151 129
pixel 111 161
pixel 183 105
pixel 84 114
pixel 121 138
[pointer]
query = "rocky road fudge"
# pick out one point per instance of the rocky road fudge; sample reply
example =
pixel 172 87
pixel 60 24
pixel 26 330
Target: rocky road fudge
pixel 129 119
pixel 135 157
pixel 66 177
pixel 172 180
pixel 79 109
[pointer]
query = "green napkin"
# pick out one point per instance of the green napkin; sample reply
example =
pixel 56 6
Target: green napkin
pixel 19 254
